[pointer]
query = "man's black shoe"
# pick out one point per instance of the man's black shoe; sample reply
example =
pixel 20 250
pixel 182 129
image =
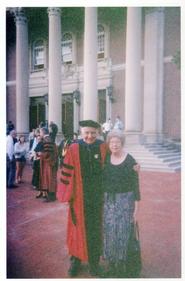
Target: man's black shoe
pixel 12 186
pixel 74 268
pixel 48 200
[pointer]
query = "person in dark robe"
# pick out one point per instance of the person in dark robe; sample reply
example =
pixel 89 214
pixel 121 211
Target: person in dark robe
pixel 48 166
pixel 80 184
pixel 36 163
pixel 53 130
pixel 63 147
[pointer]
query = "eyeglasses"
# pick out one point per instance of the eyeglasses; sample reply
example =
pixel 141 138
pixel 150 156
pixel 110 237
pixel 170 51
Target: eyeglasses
pixel 115 142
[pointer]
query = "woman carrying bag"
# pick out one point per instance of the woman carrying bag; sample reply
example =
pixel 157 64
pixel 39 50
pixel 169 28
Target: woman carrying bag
pixel 121 196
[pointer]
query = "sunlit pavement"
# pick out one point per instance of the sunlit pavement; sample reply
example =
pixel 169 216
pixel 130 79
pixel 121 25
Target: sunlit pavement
pixel 36 231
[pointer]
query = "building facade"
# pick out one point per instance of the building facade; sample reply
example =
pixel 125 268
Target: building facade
pixel 67 64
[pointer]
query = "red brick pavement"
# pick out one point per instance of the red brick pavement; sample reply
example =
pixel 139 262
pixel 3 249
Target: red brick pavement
pixel 36 231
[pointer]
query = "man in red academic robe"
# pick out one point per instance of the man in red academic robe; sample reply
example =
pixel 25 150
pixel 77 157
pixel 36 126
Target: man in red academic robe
pixel 80 184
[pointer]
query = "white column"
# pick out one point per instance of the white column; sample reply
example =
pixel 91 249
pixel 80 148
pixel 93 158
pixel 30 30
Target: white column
pixel 22 73
pixel 109 91
pixel 90 98
pixel 108 107
pixel 54 77
pixel 76 116
pixel 153 75
pixel 46 110
pixel 76 104
pixel 133 71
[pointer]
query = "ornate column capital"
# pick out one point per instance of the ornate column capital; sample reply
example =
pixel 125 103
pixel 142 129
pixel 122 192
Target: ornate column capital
pixel 149 10
pixel 54 11
pixel 20 17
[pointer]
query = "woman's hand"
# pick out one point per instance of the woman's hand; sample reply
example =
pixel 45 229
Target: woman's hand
pixel 137 168
pixel 135 211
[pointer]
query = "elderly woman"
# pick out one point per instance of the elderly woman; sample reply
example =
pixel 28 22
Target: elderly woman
pixel 121 193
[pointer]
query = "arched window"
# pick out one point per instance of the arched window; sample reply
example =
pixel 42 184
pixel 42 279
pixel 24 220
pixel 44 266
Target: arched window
pixel 38 54
pixel 67 48
pixel 101 41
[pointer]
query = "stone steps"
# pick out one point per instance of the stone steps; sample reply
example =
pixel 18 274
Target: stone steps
pixel 164 151
pixel 169 155
pixel 171 159
pixel 156 157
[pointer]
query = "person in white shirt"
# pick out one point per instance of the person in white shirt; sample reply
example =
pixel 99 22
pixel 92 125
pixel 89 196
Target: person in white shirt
pixel 20 150
pixel 106 128
pixel 118 125
pixel 10 159
pixel 31 138
pixel 34 144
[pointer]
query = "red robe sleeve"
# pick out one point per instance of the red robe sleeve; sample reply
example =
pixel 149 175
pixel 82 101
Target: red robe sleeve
pixel 65 179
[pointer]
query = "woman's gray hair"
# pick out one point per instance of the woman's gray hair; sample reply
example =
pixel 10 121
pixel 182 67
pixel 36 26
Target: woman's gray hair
pixel 116 134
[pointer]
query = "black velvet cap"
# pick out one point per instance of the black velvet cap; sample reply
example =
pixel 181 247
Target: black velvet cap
pixel 89 123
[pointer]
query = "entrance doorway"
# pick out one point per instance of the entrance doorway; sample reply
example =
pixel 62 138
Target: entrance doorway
pixel 67 114
pixel 37 112
pixel 101 106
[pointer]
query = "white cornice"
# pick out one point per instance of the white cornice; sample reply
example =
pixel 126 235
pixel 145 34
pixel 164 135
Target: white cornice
pixel 119 67
pixel 10 83
pixel 167 59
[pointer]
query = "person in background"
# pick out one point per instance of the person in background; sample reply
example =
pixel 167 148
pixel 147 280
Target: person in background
pixel 10 159
pixel 118 125
pixel 9 127
pixel 62 148
pixel 20 150
pixel 31 138
pixel 75 137
pixel 48 166
pixel 106 128
pixel 41 125
pixel 53 130
pixel 35 142
pixel 64 145
pixel 36 164
pixel 121 196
